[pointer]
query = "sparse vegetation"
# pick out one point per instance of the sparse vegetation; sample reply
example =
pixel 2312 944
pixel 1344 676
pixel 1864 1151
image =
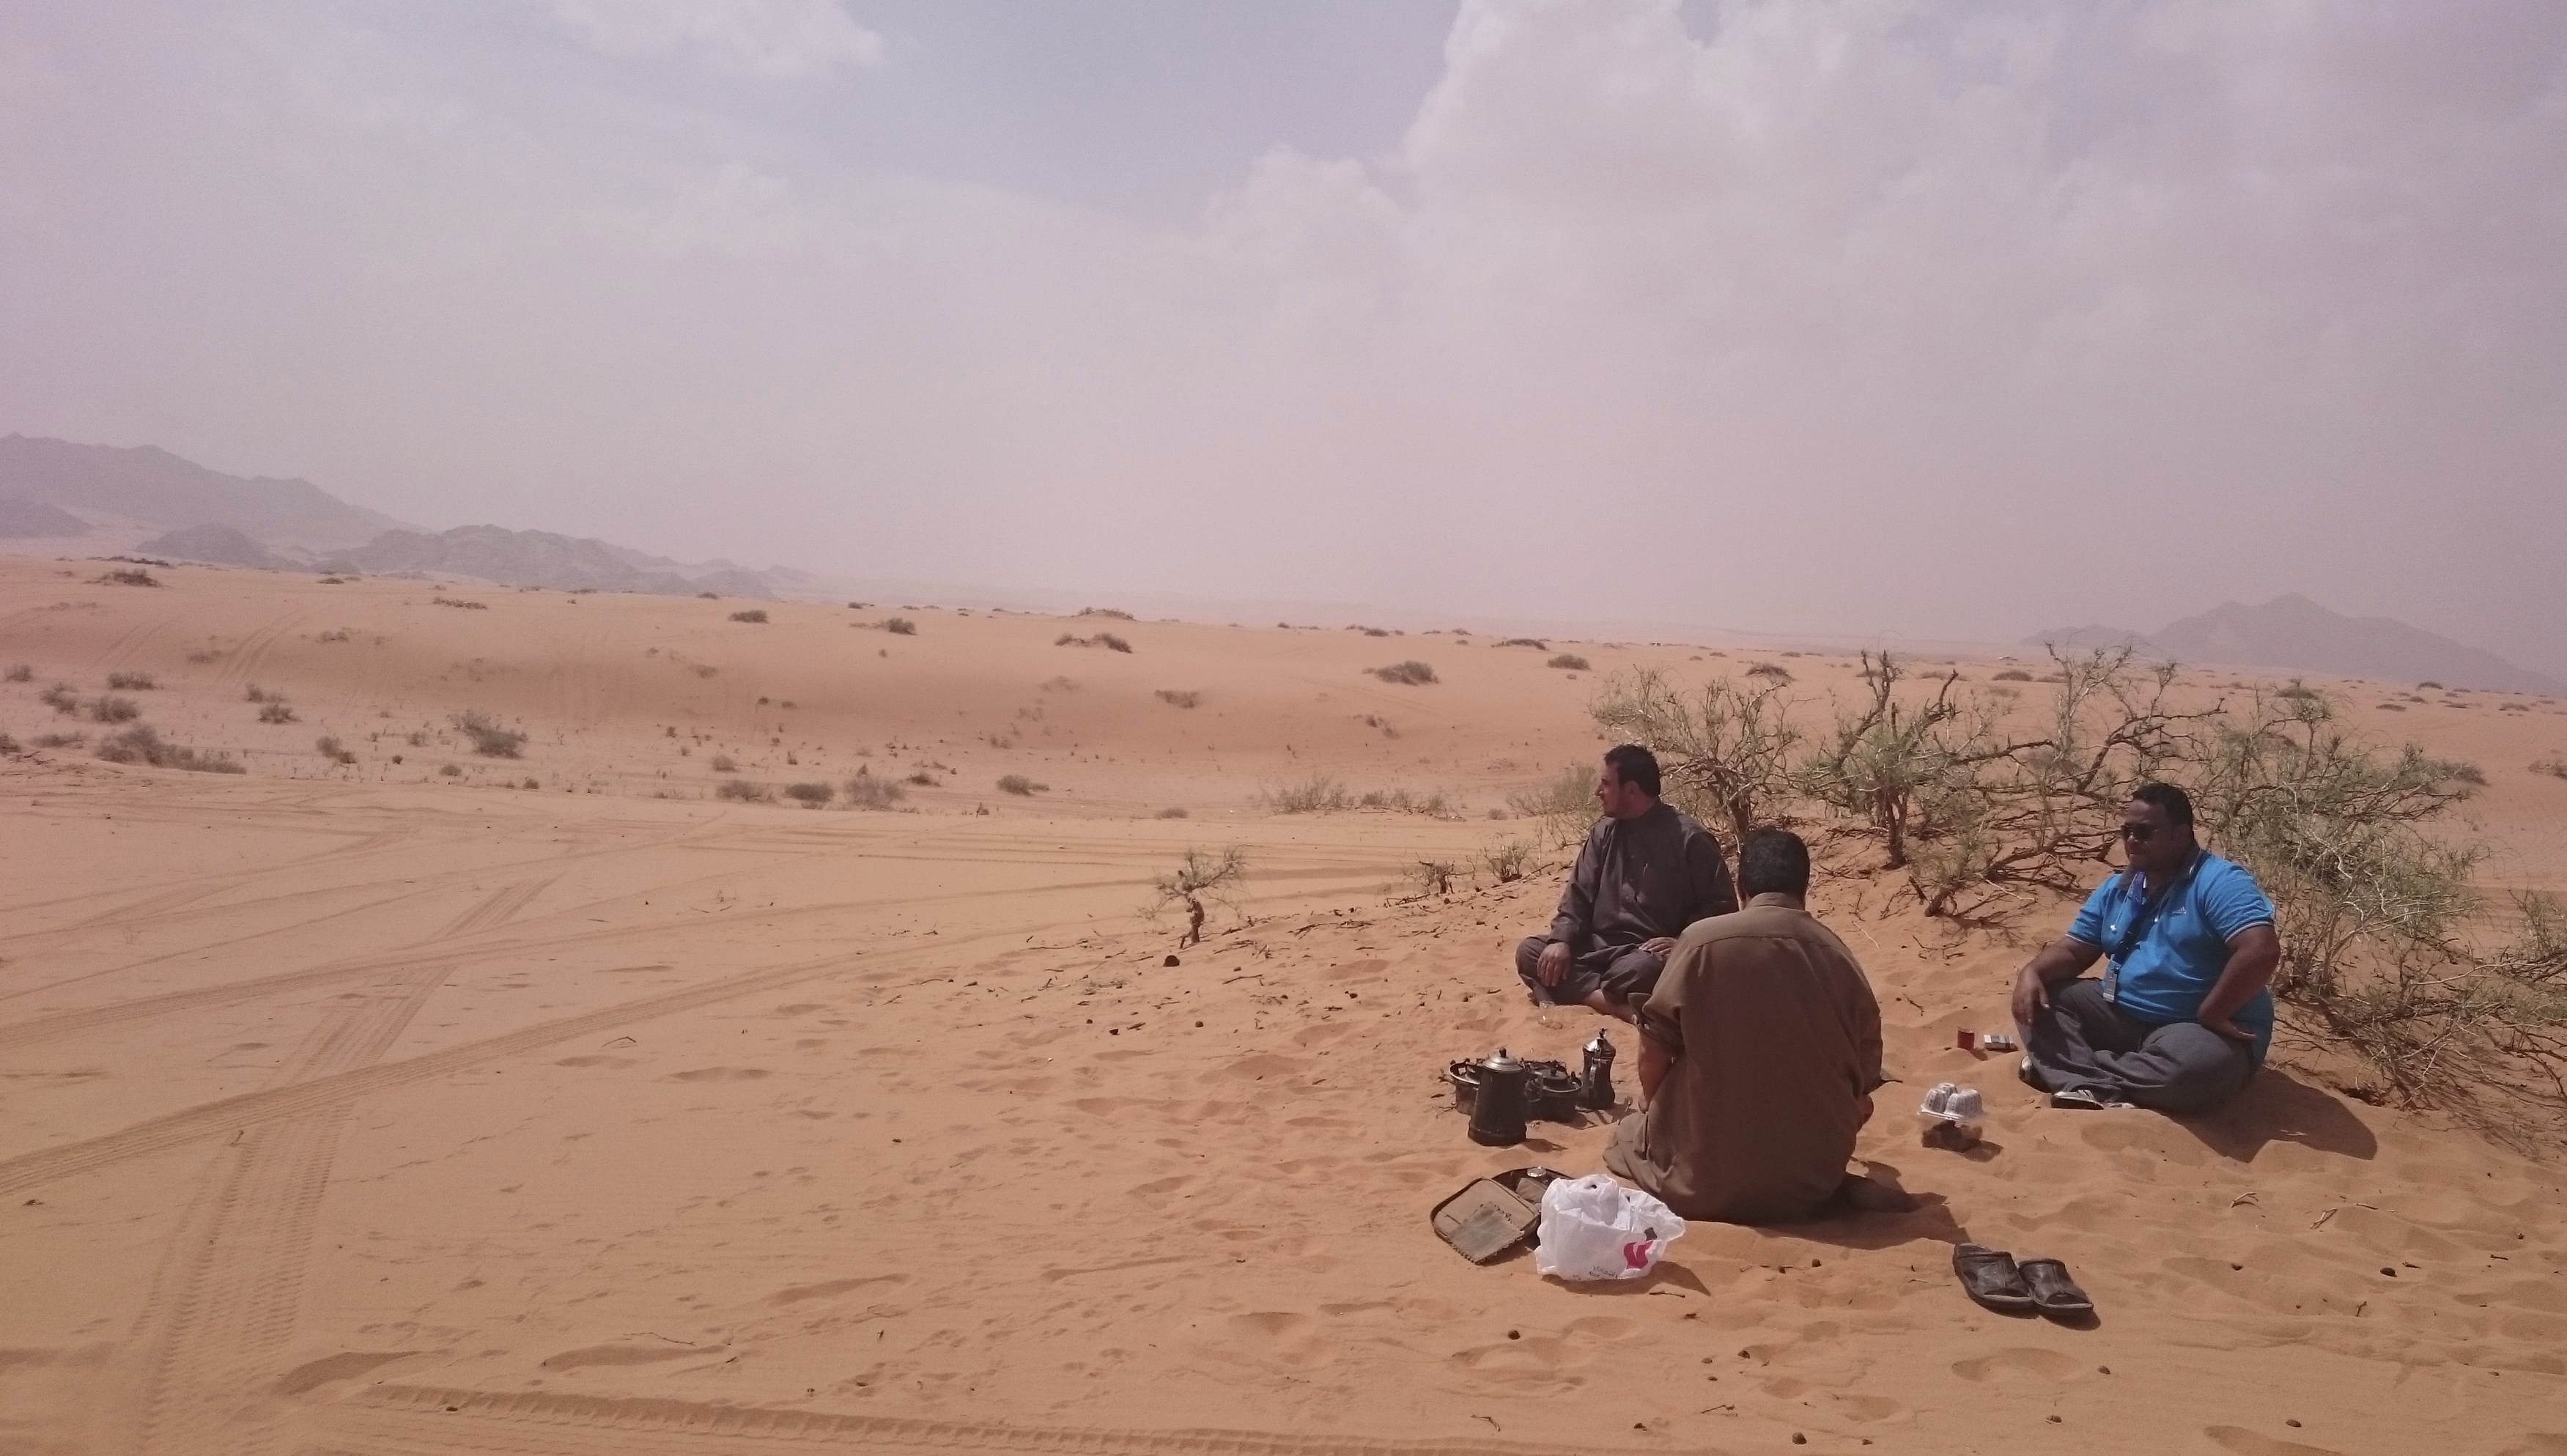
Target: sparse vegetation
pixel 1115 613
pixel 61 740
pixel 1021 787
pixel 2555 767
pixel 1434 805
pixel 754 614
pixel 1782 676
pixel 1724 750
pixel 1200 880
pixel 1172 811
pixel 900 627
pixel 1569 662
pixel 1536 643
pixel 1434 876
pixel 21 672
pixel 255 693
pixel 112 708
pixel 1412 672
pixel 127 576
pixel 468 606
pixel 62 698
pixel 450 771
pixel 140 744
pixel 922 779
pixel 810 795
pixel 1506 862
pixel 2011 674
pixel 1318 795
pixel 740 790
pixel 131 681
pixel 721 764
pixel 1563 802
pixel 9 747
pixel 1107 640
pixel 1179 697
pixel 276 710
pixel 865 790
pixel 489 738
pixel 332 749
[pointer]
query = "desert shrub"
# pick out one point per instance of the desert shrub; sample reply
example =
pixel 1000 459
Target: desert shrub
pixel 1172 811
pixel 754 614
pixel 1434 805
pixel 1779 675
pixel 2011 674
pixel 489 739
pixel 21 672
pixel 1372 630
pixel 112 708
pixel 1569 662
pixel 336 634
pixel 9 747
pixel 721 764
pixel 1505 862
pixel 1111 642
pixel 1116 614
pixel 450 771
pixel 867 792
pixel 900 627
pixel 131 681
pixel 744 791
pixel 1724 750
pixel 1536 643
pixel 1563 802
pixel 468 606
pixel 2430 683
pixel 1412 671
pixel 416 739
pixel 708 596
pixel 810 795
pixel 924 779
pixel 61 740
pixel 1316 794
pixel 331 748
pixel 255 693
pixel 1434 876
pixel 275 709
pixel 62 698
pixel 1200 880
pixel 128 576
pixel 2555 767
pixel 1179 697
pixel 1021 787
pixel 140 744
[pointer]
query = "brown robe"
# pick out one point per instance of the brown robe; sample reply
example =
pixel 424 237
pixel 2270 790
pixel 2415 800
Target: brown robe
pixel 1776 1038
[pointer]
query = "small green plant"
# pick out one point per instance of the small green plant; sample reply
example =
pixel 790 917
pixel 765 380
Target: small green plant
pixel 1021 787
pixel 1569 662
pixel 1316 794
pixel 1505 862
pixel 740 790
pixel 112 708
pixel 1411 673
pixel 754 614
pixel 131 681
pixel 276 710
pixel 810 795
pixel 489 738
pixel 866 790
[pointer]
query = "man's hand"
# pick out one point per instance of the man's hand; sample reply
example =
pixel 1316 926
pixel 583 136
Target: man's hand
pixel 1659 946
pixel 2228 1029
pixel 1554 963
pixel 2031 996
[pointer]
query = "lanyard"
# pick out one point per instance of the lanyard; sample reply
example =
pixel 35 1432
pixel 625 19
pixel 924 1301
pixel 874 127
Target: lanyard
pixel 2140 920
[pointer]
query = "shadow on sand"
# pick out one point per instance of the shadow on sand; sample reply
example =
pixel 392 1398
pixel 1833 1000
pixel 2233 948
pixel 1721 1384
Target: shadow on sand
pixel 2278 1107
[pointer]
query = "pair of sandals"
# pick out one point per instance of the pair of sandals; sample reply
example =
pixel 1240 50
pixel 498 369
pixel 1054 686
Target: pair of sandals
pixel 1991 1277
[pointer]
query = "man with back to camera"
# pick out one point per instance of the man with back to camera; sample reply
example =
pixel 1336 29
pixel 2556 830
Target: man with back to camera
pixel 1646 873
pixel 1760 1050
pixel 2182 1017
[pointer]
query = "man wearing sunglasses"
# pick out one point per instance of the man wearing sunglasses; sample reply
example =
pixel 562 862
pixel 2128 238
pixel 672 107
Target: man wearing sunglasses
pixel 2180 1019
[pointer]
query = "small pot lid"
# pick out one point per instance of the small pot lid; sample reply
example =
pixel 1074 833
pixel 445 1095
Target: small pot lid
pixel 1503 1061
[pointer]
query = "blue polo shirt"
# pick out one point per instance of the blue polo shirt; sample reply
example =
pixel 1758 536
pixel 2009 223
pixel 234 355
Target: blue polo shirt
pixel 2179 954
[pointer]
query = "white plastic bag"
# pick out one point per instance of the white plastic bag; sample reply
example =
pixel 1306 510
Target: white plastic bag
pixel 1595 1228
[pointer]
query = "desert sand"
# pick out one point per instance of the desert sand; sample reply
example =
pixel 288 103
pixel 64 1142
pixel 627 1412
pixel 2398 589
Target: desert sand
pixel 557 1105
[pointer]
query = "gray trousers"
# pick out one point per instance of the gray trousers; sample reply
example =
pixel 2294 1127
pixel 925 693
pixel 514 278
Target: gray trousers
pixel 2082 1040
pixel 1625 973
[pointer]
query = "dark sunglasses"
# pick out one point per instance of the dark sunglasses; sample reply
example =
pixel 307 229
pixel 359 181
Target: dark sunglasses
pixel 2138 833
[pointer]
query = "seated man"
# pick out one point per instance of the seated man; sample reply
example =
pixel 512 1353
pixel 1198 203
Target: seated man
pixel 2182 1017
pixel 1758 1054
pixel 1646 873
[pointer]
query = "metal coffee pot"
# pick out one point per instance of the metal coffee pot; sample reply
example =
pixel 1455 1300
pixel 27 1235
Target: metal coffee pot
pixel 1498 1112
pixel 1596 1076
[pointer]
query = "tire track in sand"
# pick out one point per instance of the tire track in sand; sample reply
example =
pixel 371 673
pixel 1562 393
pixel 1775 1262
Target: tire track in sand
pixel 418 1420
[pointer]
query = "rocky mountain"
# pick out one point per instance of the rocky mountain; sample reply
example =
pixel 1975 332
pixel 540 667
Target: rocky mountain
pixel 219 544
pixel 151 486
pixel 541 558
pixel 2295 633
pixel 26 520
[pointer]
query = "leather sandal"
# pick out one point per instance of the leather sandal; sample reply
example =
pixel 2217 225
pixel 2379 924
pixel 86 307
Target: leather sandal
pixel 1989 1276
pixel 2053 1292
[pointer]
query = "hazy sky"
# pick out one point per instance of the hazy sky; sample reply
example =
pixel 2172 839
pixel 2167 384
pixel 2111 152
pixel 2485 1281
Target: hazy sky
pixel 1938 319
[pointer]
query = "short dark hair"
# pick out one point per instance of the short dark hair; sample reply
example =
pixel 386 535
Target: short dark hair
pixel 1634 764
pixel 2177 804
pixel 1774 861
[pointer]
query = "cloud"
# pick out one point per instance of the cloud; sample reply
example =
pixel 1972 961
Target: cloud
pixel 790 39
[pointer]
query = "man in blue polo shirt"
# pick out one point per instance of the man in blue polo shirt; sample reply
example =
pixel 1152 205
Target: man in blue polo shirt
pixel 2182 1017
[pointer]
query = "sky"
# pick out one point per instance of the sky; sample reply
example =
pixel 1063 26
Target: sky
pixel 1921 319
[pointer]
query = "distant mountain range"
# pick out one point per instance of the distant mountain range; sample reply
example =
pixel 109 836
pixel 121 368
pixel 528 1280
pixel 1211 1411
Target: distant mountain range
pixel 2294 634
pixel 229 520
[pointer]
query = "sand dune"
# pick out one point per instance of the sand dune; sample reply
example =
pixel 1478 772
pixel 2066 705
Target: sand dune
pixel 363 1107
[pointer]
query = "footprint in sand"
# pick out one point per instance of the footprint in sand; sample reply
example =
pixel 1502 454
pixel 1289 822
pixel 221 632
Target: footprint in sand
pixel 595 1061
pixel 1284 1337
pixel 314 1374
pixel 718 1074
pixel 2250 1443
pixel 624 1355
pixel 2019 1364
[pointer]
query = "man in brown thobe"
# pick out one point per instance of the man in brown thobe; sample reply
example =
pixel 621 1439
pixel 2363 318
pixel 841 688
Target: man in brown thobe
pixel 1759 1049
pixel 1646 871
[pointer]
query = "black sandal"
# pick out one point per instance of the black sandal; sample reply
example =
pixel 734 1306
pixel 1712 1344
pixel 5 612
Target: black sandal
pixel 2053 1292
pixel 1989 1276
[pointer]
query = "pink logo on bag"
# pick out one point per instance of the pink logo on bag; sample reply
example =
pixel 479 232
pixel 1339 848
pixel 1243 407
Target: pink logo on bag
pixel 1636 1256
